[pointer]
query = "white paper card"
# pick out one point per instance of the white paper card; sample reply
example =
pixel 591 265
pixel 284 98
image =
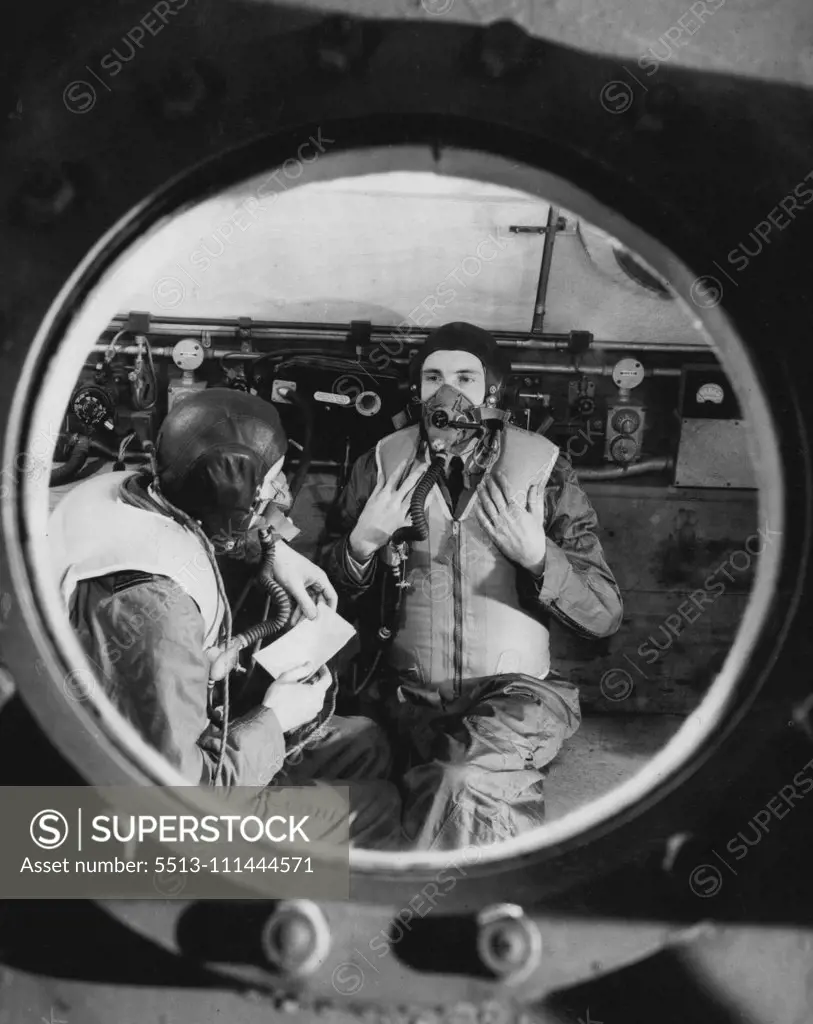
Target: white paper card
pixel 314 640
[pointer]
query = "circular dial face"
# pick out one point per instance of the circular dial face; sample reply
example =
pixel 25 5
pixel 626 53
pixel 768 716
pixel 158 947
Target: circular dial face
pixel 91 405
pixel 188 354
pixel 710 393
pixel 628 373
pixel 623 449
pixel 626 421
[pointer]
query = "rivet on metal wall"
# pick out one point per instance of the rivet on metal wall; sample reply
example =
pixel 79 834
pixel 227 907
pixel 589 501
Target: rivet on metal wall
pixel 184 91
pixel 296 938
pixel 185 95
pixel 802 716
pixel 661 104
pixel 504 49
pixel 342 45
pixel 47 194
pixel 508 942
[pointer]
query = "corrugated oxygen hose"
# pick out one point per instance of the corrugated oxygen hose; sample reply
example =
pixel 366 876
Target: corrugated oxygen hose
pixel 279 597
pixel 420 529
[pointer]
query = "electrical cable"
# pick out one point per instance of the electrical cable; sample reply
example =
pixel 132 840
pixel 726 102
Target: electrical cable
pixel 68 442
pixel 69 470
pixel 119 464
pixel 387 621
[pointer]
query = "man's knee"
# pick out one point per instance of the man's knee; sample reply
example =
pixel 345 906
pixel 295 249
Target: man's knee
pixel 459 778
pixel 375 815
pixel 370 746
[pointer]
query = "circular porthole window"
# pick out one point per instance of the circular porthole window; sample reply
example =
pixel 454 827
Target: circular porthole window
pixel 150 262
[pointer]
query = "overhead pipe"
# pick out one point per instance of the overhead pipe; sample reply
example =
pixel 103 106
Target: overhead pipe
pixel 165 352
pixel 652 346
pixel 570 368
pixel 633 469
pixel 598 371
pixel 333 332
pixel 531 343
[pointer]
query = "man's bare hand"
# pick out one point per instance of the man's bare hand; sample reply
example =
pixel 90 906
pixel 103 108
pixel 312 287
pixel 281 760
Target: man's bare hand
pixel 297 615
pixel 298 576
pixel 223 660
pixel 297 696
pixel 517 531
pixel 386 512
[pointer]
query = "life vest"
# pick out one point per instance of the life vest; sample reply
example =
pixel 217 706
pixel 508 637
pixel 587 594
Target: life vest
pixel 461 620
pixel 92 532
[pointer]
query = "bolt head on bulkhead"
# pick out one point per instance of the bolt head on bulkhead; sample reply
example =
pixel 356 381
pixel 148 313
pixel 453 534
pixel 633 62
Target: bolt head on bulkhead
pixel 296 938
pixel 508 942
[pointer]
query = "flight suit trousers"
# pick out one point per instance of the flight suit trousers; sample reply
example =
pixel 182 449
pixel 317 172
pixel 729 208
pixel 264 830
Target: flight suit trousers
pixel 352 752
pixel 472 773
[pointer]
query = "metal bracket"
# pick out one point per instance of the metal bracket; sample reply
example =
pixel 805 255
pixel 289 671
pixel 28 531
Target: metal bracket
pixel 244 333
pixel 532 229
pixel 579 342
pixel 360 334
pixel 138 322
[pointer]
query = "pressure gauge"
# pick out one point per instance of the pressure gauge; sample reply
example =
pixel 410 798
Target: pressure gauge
pixel 626 421
pixel 94 404
pixel 710 393
pixel 188 354
pixel 623 449
pixel 628 374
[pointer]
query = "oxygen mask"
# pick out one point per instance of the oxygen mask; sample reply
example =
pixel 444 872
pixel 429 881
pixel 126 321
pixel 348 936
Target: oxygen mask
pixel 450 421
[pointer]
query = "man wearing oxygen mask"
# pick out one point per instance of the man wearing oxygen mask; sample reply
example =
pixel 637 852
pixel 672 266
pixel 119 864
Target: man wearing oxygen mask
pixel 141 560
pixel 495 538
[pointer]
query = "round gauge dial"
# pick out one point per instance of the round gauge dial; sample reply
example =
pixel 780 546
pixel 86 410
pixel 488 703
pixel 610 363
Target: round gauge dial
pixel 623 449
pixel 92 405
pixel 626 421
pixel 188 354
pixel 710 393
pixel 628 373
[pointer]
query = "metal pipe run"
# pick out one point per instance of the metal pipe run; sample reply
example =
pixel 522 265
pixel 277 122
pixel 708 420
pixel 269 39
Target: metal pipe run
pixel 634 469
pixel 597 371
pixel 393 340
